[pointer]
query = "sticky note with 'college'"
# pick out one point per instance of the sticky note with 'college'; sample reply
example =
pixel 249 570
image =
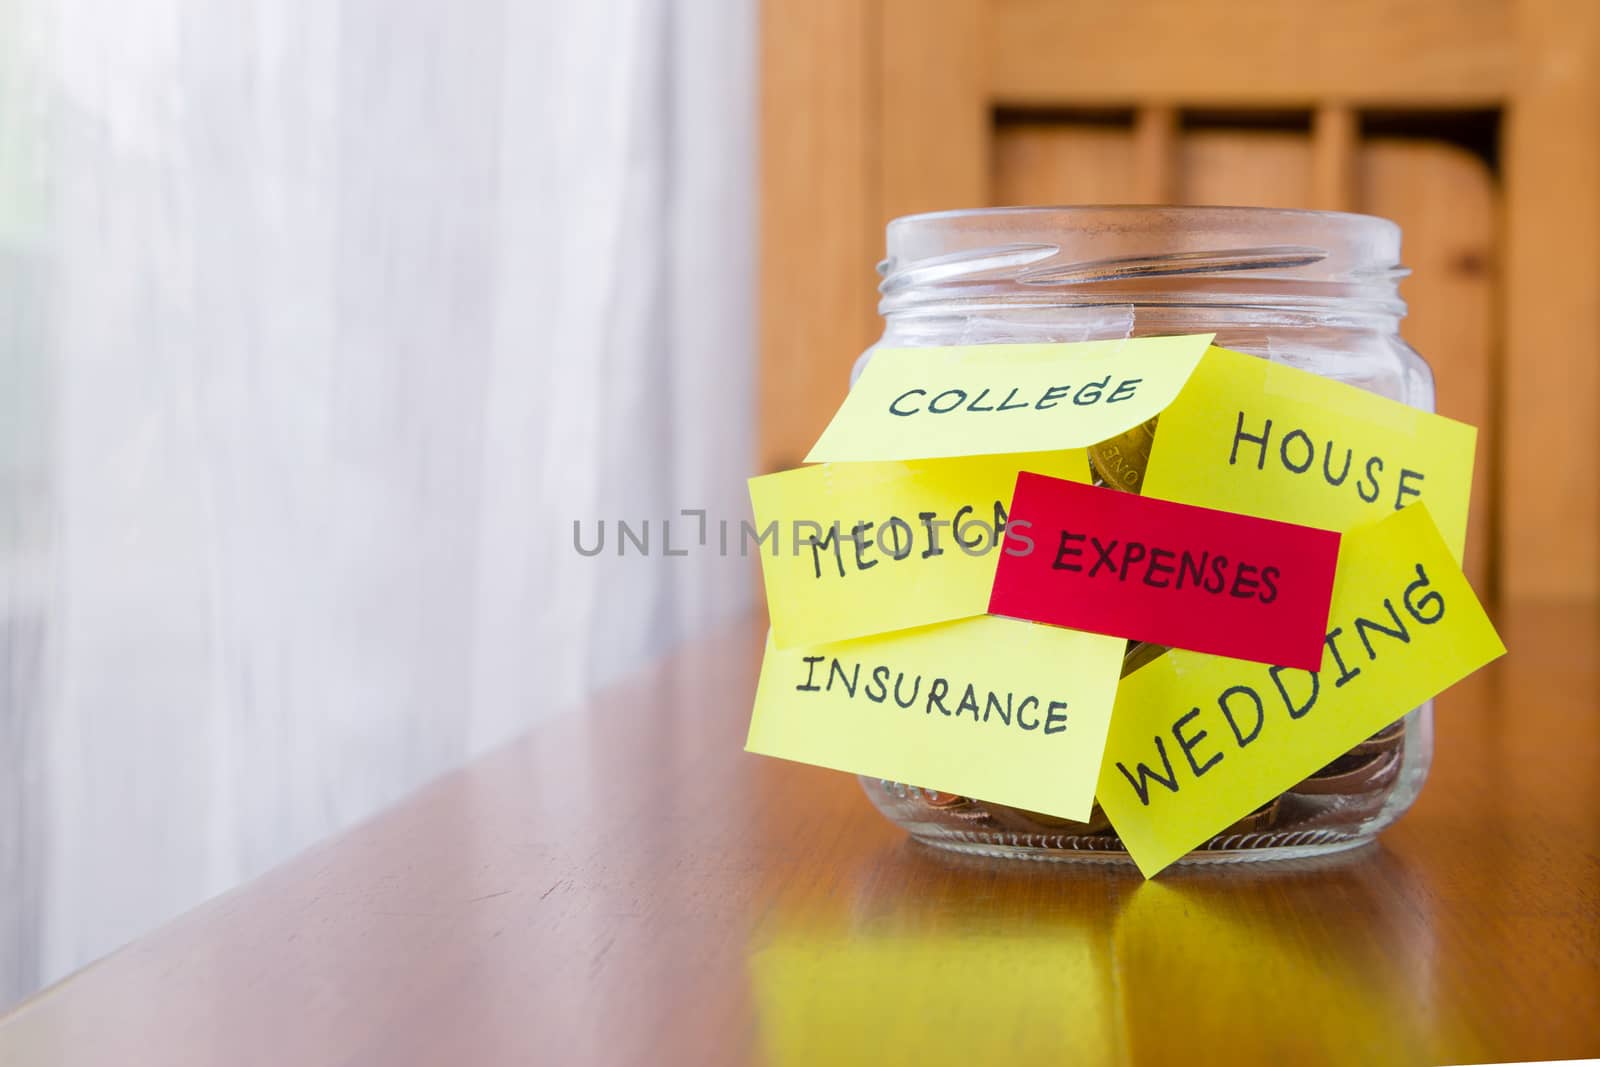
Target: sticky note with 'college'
pixel 866 548
pixel 1274 441
pixel 971 400
pixel 1197 742
pixel 1009 711
pixel 1172 574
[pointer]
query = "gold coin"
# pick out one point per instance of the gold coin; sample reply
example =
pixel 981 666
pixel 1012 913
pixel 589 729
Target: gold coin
pixel 1021 820
pixel 1258 820
pixel 1121 461
pixel 1138 654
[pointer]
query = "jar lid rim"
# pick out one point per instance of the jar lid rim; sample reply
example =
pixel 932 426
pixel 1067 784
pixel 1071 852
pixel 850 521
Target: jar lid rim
pixel 1141 254
pixel 1194 212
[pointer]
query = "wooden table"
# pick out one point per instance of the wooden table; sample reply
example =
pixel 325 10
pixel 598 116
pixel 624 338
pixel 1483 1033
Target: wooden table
pixel 628 886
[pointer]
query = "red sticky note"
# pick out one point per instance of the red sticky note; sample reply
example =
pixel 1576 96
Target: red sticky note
pixel 1178 575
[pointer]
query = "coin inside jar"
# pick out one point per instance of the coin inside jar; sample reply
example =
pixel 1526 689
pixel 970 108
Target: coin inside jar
pixel 1121 461
pixel 1138 654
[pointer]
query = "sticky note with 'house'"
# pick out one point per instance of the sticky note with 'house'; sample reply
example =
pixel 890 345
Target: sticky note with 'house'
pixel 1274 441
pixel 866 548
pixel 1173 574
pixel 1010 711
pixel 1197 742
pixel 970 400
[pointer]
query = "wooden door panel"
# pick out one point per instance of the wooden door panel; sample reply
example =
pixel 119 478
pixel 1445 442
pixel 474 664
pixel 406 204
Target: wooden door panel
pixel 1244 168
pixel 1549 395
pixel 820 230
pixel 1446 201
pixel 1274 53
pixel 1063 163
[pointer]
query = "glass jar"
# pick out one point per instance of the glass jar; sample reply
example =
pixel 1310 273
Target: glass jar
pixel 1311 289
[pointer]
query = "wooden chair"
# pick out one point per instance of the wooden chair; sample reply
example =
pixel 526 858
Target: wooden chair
pixel 1473 123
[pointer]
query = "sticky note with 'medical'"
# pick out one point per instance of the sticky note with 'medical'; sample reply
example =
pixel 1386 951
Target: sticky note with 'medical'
pixel 971 400
pixel 1278 442
pixel 1198 741
pixel 866 548
pixel 1010 711
pixel 1172 574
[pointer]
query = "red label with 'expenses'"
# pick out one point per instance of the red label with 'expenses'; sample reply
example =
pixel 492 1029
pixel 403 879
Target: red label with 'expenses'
pixel 1152 570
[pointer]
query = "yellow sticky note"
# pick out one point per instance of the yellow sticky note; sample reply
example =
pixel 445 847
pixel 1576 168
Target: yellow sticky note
pixel 971 400
pixel 1198 742
pixel 1281 443
pixel 1012 712
pixel 865 548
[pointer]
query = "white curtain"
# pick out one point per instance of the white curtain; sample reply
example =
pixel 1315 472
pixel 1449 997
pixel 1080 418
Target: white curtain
pixel 321 321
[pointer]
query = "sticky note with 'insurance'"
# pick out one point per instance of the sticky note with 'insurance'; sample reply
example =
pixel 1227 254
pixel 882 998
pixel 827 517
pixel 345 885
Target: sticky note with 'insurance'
pixel 1266 439
pixel 1198 742
pixel 866 548
pixel 983 707
pixel 972 400
pixel 1176 575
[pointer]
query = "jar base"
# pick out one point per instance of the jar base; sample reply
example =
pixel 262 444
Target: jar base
pixel 1252 848
pixel 1342 807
